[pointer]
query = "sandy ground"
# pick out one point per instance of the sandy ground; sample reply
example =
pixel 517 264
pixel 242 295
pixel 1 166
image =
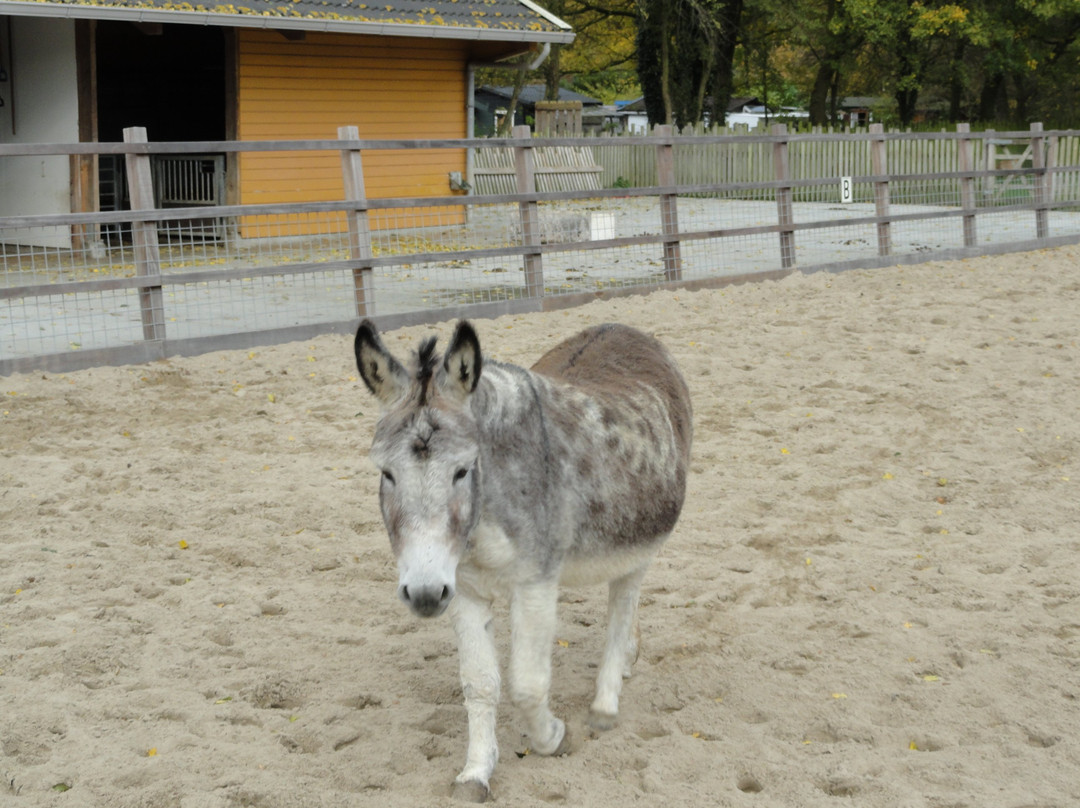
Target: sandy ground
pixel 871 599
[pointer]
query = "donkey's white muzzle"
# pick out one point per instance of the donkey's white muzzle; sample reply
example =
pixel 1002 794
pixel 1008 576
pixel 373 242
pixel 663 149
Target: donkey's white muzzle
pixel 426 575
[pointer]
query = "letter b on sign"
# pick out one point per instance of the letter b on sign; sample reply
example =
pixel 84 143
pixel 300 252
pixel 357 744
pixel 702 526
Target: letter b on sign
pixel 847 192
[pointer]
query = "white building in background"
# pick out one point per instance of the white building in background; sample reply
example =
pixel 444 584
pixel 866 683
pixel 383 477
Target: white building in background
pixel 42 67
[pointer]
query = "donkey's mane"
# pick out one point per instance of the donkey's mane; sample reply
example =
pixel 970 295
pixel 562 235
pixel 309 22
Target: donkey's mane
pixel 426 361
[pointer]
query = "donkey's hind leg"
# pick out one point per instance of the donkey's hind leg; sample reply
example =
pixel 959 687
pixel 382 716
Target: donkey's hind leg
pixel 621 650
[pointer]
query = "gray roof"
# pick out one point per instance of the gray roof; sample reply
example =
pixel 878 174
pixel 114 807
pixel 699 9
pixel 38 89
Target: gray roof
pixel 858 101
pixel 531 93
pixel 498 20
pixel 734 105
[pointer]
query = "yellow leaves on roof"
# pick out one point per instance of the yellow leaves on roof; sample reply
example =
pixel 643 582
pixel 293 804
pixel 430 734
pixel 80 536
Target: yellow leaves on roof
pixel 287 8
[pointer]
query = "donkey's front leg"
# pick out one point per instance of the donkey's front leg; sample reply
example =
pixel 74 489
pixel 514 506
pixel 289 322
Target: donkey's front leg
pixel 532 627
pixel 480 683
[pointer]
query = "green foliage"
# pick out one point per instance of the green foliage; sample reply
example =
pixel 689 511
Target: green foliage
pixel 608 85
pixel 923 61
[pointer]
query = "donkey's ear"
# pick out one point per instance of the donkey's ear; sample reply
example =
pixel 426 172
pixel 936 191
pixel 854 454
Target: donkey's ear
pixel 384 376
pixel 463 362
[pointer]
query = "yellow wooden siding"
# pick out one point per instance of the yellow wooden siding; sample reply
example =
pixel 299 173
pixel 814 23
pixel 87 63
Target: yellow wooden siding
pixel 389 88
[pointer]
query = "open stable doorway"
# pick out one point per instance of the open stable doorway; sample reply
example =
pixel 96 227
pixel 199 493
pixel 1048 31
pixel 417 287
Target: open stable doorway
pixel 173 80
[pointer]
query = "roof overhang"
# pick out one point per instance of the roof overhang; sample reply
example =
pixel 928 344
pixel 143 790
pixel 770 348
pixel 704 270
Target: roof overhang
pixel 23 8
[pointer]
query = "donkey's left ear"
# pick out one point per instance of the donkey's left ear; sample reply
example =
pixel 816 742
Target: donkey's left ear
pixel 463 362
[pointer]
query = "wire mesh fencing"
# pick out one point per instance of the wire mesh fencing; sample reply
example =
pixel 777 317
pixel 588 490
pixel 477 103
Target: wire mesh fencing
pixel 156 276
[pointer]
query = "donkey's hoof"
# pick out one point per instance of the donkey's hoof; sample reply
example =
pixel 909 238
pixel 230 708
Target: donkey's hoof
pixel 602 722
pixel 556 749
pixel 471 791
pixel 565 745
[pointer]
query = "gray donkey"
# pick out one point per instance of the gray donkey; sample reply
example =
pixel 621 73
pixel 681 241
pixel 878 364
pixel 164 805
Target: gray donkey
pixel 502 481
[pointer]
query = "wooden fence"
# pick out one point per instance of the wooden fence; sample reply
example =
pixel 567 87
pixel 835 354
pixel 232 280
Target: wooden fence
pixel 558 168
pixel 681 167
pixel 721 155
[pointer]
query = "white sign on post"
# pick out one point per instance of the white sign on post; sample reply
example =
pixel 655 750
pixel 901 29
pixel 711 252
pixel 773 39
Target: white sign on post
pixel 847 191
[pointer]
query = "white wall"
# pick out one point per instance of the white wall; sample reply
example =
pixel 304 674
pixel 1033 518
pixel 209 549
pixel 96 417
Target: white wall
pixel 41 105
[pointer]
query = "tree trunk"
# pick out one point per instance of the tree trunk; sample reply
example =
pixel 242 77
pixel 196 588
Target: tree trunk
pixel 511 108
pixel 723 70
pixel 909 72
pixel 834 97
pixel 819 94
pixel 992 98
pixel 1022 96
pixel 905 103
pixel 552 70
pixel 652 62
pixel 957 83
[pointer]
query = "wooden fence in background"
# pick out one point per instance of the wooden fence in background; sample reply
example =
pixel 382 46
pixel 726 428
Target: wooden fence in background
pixel 720 155
pixel 787 169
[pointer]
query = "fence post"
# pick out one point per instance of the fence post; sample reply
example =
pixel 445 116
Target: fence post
pixel 879 164
pixel 525 169
pixel 144 236
pixel 965 161
pixel 669 210
pixel 990 160
pixel 1039 161
pixel 785 214
pixel 352 169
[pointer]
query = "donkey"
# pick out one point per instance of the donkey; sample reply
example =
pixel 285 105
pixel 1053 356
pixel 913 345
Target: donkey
pixel 502 481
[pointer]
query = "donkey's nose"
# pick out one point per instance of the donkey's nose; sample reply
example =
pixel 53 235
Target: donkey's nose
pixel 427 600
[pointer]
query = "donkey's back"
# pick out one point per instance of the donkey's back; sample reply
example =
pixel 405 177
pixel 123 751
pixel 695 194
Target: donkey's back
pixel 613 361
pixel 606 358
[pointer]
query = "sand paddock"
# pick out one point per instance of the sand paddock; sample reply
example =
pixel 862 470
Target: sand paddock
pixel 871 599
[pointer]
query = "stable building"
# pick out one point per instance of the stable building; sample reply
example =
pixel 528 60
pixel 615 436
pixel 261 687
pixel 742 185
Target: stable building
pixel 247 70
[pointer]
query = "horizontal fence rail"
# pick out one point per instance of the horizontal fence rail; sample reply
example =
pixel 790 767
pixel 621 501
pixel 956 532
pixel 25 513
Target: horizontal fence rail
pixel 547 223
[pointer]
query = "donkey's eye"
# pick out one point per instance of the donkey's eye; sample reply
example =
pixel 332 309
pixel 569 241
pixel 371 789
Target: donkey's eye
pixel 388 477
pixel 460 474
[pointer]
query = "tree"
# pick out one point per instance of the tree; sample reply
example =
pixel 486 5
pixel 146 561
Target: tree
pixel 604 43
pixel 604 46
pixel 1028 59
pixel 686 51
pixel 832 39
pixel 990 60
